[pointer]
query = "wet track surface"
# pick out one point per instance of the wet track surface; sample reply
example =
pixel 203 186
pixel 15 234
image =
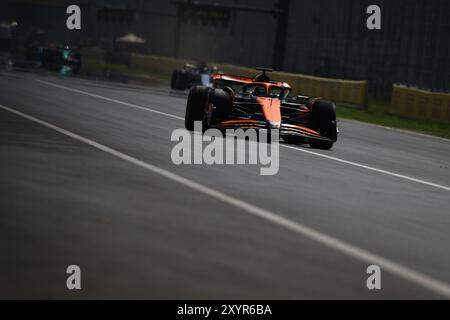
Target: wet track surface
pixel 137 234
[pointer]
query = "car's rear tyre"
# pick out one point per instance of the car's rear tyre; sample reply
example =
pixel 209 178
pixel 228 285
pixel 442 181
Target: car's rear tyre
pixel 320 144
pixel 323 120
pixel 222 102
pixel 197 103
pixel 181 82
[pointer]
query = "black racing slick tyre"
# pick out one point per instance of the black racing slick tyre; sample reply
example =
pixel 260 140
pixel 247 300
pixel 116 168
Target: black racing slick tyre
pixel 181 82
pixel 323 120
pixel 197 103
pixel 222 102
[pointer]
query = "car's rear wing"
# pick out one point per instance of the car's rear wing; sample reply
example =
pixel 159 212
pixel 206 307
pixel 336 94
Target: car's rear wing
pixel 242 80
pixel 233 78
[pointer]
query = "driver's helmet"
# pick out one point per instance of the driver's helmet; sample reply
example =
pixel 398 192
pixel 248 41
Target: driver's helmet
pixel 259 91
pixel 262 78
pixel 203 66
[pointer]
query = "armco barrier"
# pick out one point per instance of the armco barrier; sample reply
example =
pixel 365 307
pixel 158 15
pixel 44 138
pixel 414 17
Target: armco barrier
pixel 420 104
pixel 345 91
pixel 156 66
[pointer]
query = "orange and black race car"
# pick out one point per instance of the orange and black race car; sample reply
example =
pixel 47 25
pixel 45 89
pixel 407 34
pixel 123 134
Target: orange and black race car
pixel 261 103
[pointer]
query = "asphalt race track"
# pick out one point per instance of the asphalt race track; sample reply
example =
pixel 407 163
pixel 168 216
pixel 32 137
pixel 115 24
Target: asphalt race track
pixel 141 227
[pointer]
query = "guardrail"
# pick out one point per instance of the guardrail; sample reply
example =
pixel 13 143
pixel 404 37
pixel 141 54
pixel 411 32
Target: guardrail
pixel 420 104
pixel 345 91
pixel 92 61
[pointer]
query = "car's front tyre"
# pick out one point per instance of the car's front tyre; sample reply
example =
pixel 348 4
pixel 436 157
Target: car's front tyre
pixel 197 103
pixel 323 120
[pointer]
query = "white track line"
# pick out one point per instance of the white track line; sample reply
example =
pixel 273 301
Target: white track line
pixel 422 280
pixel 355 164
pixel 131 105
pixel 390 173
pixel 405 131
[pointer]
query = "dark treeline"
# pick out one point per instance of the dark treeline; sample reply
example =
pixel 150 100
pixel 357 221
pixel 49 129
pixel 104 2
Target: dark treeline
pixel 325 38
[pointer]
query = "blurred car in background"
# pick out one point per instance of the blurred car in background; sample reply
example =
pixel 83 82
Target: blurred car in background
pixel 191 75
pixel 65 59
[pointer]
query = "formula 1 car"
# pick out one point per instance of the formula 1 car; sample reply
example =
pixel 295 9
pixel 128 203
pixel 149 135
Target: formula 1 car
pixel 260 103
pixel 191 75
pixel 65 59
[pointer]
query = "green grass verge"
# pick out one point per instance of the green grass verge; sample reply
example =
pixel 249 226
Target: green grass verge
pixel 376 114
pixel 92 68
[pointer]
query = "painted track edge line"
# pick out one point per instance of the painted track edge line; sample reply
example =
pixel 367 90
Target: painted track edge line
pixel 422 280
pixel 131 105
pixel 386 172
